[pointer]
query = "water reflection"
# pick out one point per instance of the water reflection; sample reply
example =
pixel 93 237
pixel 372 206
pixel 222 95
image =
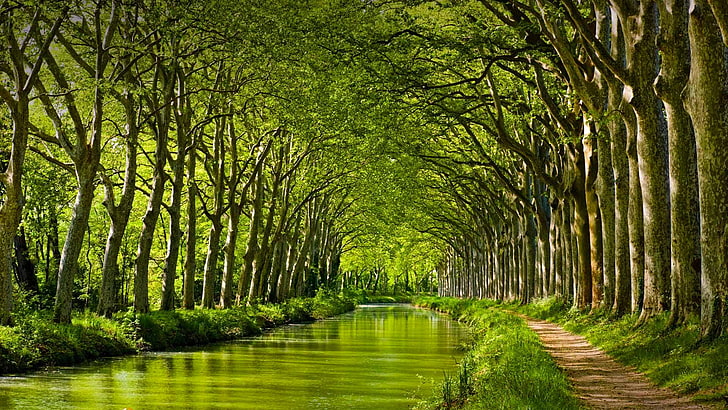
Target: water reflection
pixel 379 356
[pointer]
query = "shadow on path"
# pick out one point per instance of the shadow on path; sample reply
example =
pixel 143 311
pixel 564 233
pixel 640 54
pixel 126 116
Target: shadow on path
pixel 597 379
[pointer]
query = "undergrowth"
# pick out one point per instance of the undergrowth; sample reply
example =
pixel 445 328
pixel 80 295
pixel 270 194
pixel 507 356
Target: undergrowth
pixel 504 366
pixel 35 341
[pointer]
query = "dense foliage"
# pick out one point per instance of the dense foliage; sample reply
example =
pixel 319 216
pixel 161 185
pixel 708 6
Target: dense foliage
pixel 37 342
pixel 174 154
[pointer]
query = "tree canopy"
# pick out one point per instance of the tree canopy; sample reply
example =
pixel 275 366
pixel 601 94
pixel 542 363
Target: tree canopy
pixel 165 154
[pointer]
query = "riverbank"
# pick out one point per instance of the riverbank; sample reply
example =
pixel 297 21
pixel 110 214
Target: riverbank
pixel 36 341
pixel 504 364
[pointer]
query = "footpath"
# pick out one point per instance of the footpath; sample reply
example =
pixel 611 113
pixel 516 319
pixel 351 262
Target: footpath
pixel 597 379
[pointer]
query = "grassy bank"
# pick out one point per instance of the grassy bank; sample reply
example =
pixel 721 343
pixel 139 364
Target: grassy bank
pixel 35 341
pixel 363 296
pixel 674 358
pixel 504 366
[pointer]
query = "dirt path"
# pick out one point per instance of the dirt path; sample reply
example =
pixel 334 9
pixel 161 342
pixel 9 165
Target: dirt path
pixel 598 380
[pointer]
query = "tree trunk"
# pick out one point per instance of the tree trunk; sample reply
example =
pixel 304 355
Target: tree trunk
pixel 582 233
pixel 119 215
pixel 23 80
pixel 641 25
pixel 566 240
pixel 182 114
pixel 596 254
pixel 256 214
pixel 146 238
pixel 635 216
pixel 213 245
pixel 620 163
pixel 85 174
pixel 12 207
pixel 175 231
pixel 24 267
pixel 720 13
pixel 149 221
pixel 226 291
pixel 287 279
pixel 210 277
pixel 190 268
pixel 705 98
pixel 685 213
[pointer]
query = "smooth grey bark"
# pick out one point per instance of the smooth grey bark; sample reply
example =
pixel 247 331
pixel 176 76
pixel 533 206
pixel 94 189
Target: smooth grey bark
pixel 286 280
pixel 277 265
pixel 259 281
pixel 557 258
pixel 299 276
pixel 85 175
pixel 149 223
pixel 620 163
pixel 567 244
pixel 605 180
pixel 531 243
pixel 635 214
pixel 278 268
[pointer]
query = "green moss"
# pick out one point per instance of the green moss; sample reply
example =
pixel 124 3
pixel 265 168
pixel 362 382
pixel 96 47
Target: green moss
pixel 505 366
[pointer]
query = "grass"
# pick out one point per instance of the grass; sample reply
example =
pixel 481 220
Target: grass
pixel 671 357
pixel 504 366
pixel 36 341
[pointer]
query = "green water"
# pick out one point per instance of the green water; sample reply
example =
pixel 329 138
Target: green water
pixel 377 357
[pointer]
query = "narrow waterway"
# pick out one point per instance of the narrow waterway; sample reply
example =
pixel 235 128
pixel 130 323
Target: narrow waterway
pixel 377 357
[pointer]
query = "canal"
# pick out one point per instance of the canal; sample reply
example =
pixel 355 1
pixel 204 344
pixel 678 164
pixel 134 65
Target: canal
pixel 377 357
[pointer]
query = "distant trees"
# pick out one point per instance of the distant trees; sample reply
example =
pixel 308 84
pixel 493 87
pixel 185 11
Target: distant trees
pixel 577 142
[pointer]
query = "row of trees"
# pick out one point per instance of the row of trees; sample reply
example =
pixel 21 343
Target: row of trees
pixel 553 147
pixel 580 146
pixel 194 117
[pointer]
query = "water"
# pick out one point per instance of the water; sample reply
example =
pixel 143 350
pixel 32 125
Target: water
pixel 377 357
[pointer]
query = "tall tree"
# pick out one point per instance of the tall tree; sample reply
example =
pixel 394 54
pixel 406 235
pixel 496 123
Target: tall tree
pixel 705 98
pixel 22 67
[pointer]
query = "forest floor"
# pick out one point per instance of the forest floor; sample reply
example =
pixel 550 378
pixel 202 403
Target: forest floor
pixel 597 379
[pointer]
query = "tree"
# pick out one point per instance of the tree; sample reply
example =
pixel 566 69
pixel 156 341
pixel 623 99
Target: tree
pixel 22 69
